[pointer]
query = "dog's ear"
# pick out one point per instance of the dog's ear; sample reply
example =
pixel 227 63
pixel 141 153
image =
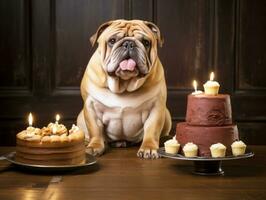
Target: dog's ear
pixel 155 31
pixel 95 36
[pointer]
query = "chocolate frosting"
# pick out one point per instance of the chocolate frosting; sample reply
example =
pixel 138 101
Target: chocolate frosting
pixel 207 110
pixel 204 136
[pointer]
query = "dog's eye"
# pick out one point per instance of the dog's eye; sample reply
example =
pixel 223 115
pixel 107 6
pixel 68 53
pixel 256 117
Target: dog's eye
pixel 112 41
pixel 146 42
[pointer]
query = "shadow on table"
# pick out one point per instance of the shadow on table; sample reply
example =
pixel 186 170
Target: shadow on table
pixel 229 170
pixel 6 168
pixel 84 170
pixel 184 169
pixel 244 170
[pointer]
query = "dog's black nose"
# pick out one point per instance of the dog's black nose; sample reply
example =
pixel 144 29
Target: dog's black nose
pixel 129 44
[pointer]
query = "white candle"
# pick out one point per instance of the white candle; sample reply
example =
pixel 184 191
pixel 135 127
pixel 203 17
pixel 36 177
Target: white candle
pixel 54 129
pixel 195 85
pixel 30 129
pixel 30 119
pixel 211 76
pixel 57 118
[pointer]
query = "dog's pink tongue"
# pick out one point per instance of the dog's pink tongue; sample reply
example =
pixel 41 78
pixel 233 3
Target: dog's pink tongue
pixel 129 64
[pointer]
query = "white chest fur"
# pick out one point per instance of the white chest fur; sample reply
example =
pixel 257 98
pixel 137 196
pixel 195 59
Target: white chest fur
pixel 123 115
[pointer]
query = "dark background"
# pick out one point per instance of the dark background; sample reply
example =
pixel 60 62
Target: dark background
pixel 44 49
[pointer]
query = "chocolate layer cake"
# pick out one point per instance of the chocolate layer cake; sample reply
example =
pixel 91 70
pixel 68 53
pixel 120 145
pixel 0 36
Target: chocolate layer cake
pixel 43 147
pixel 208 121
pixel 206 110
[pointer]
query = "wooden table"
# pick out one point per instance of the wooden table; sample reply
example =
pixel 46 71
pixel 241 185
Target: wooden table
pixel 121 175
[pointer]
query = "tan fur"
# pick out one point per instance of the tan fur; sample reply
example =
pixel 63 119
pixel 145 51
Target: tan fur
pixel 158 121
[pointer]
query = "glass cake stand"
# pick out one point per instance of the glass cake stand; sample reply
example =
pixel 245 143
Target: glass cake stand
pixel 205 165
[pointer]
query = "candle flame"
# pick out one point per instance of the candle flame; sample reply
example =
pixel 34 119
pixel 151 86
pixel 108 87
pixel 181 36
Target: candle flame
pixel 57 118
pixel 211 76
pixel 30 119
pixel 195 85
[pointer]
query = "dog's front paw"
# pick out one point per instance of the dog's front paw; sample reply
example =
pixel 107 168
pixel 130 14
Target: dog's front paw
pixel 148 153
pixel 95 149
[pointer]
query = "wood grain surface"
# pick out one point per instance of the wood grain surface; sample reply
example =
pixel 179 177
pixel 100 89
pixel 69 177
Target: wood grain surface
pixel 119 174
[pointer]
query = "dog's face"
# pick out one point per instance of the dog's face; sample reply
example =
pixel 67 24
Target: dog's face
pixel 128 48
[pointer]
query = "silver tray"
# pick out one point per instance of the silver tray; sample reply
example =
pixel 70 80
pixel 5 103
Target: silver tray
pixel 90 160
pixel 205 165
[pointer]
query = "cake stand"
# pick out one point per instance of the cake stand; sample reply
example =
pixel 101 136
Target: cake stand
pixel 11 157
pixel 205 165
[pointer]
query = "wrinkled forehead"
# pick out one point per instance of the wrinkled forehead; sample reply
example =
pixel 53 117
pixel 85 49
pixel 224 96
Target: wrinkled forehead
pixel 137 29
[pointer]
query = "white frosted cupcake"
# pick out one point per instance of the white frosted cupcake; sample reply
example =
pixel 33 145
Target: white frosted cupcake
pixel 211 87
pixel 190 150
pixel 218 150
pixel 172 146
pixel 238 148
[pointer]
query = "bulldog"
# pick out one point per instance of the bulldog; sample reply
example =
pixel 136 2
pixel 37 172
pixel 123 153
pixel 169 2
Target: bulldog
pixel 124 89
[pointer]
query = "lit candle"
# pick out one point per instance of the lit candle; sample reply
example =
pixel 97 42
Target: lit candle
pixel 57 118
pixel 30 129
pixel 211 76
pixel 211 87
pixel 30 119
pixel 195 85
pixel 54 129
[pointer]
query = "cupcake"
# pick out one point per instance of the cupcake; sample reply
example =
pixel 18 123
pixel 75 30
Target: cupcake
pixel 172 146
pixel 190 150
pixel 218 150
pixel 211 87
pixel 238 148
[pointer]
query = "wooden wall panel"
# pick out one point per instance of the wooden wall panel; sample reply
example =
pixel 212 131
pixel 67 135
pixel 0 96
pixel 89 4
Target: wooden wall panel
pixel 186 50
pixel 224 44
pixel 75 23
pixel 251 46
pixel 44 47
pixel 14 46
pixel 144 10
pixel 250 62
